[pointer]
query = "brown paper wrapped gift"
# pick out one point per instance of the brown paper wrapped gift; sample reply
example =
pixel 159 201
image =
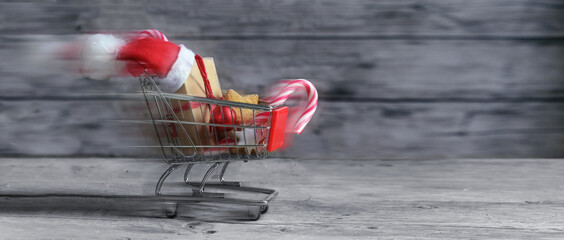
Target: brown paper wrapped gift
pixel 194 85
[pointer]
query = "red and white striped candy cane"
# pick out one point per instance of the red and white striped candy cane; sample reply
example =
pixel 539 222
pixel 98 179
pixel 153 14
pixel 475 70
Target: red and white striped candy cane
pixel 152 33
pixel 282 91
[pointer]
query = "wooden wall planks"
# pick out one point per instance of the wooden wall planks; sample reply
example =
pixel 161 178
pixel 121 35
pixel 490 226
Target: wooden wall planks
pixel 349 69
pixel 38 127
pixel 321 18
pixel 398 79
pixel 421 130
pixel 340 129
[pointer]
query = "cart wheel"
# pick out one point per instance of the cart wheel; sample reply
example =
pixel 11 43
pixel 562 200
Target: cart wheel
pixel 263 209
pixel 172 212
pixel 254 213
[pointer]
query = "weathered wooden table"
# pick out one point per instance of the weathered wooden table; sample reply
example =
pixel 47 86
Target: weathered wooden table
pixel 319 199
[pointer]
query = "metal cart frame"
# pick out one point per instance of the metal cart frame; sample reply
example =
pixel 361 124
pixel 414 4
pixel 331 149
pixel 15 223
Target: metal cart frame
pixel 179 150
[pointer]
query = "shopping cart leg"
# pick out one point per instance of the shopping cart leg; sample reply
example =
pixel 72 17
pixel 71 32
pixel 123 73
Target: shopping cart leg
pixel 187 172
pixel 205 179
pixel 164 177
pixel 222 180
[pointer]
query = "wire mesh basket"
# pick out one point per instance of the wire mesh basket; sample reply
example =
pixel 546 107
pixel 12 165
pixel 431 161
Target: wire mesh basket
pixel 192 130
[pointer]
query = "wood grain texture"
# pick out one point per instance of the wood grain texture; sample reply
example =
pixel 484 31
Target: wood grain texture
pixel 323 199
pixel 339 130
pixel 421 130
pixel 397 79
pixel 74 127
pixel 288 18
pixel 341 69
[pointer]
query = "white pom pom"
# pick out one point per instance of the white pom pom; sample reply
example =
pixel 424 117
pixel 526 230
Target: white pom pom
pixel 99 56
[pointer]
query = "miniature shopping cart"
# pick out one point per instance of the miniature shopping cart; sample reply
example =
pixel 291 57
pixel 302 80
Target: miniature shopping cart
pixel 215 144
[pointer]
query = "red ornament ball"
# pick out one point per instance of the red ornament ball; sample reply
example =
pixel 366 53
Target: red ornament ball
pixel 228 117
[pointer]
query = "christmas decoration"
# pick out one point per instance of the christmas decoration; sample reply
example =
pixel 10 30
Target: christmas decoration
pixel 282 91
pixel 224 115
pixel 104 55
pixel 176 69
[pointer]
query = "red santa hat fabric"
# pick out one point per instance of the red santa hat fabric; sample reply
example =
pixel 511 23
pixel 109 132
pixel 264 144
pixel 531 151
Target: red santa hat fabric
pixel 105 55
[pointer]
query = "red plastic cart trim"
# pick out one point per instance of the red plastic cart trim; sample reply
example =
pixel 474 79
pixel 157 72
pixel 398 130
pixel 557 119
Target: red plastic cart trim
pixel 277 128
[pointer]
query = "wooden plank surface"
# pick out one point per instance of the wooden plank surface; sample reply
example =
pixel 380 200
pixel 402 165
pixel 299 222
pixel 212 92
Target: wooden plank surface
pixel 260 19
pixel 319 199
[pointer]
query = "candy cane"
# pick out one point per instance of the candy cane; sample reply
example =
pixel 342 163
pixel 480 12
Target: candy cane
pixel 282 91
pixel 152 33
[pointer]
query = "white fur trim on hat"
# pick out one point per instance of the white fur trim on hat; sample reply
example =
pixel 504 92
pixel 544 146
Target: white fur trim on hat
pixel 179 71
pixel 99 56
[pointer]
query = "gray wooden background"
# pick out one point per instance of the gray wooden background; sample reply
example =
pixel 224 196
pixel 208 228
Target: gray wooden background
pixel 397 79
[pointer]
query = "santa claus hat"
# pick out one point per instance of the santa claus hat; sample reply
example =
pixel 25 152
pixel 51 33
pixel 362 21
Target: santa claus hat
pixel 99 55
pixel 105 55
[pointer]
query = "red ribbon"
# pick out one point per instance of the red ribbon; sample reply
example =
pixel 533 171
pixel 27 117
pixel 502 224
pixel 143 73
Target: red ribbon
pixel 202 67
pixel 207 86
pixel 209 93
